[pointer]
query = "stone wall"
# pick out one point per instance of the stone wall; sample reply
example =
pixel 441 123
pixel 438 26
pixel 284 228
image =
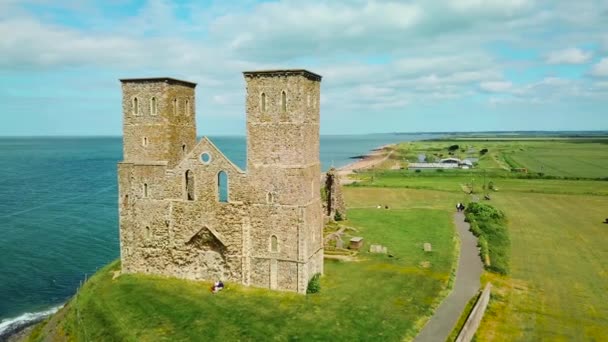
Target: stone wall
pixel 334 201
pixel 470 327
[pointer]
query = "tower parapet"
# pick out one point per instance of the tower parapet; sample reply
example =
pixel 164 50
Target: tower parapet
pixel 158 119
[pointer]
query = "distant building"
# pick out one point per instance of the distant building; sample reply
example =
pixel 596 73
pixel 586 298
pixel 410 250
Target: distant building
pixel 450 161
pixel 447 163
pixel 422 166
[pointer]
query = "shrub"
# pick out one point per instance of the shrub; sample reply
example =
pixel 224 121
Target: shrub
pixel 489 225
pixel 483 151
pixel 439 170
pixel 418 171
pixel 314 284
pixel 453 148
pixel 338 216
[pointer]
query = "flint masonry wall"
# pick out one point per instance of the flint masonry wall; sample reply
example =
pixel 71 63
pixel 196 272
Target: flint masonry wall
pixel 172 222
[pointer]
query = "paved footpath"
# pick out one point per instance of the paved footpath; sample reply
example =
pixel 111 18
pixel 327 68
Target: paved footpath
pixel 467 283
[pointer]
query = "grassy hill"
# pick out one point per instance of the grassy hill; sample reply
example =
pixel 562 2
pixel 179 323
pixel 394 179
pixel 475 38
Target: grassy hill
pixel 375 297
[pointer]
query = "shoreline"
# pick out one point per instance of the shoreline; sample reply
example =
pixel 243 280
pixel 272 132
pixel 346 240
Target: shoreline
pixel 372 159
pixel 16 328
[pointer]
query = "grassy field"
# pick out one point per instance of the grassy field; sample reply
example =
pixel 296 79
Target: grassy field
pixel 585 158
pixel 558 288
pixel 376 298
pixel 558 283
pixel 453 181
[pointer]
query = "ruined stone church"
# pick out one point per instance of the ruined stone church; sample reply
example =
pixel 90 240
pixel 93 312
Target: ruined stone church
pixel 187 211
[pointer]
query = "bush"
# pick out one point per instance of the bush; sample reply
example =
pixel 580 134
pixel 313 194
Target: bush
pixel 338 216
pixel 489 225
pixel 314 284
pixel 483 151
pixel 418 171
pixel 453 148
pixel 439 170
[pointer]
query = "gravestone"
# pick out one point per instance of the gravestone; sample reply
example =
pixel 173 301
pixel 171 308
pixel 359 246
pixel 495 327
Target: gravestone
pixel 378 249
pixel 427 247
pixel 356 243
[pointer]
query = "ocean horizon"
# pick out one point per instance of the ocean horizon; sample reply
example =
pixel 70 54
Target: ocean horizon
pixel 59 210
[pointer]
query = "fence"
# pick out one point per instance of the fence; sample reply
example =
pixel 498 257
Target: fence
pixel 470 326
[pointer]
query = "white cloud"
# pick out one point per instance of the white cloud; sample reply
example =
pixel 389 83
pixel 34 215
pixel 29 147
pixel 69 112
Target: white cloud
pixel 496 87
pixel 569 56
pixel 430 51
pixel 601 68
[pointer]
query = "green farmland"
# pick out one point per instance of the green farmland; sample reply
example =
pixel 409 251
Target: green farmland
pixel 572 158
pixel 557 287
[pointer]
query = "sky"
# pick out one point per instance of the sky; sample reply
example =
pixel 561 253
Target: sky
pixel 387 66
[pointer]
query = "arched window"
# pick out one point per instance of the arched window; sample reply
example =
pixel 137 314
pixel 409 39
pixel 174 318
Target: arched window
pixel 269 198
pixel 153 108
pixel 187 109
pixel 125 202
pixel 183 149
pixel 263 101
pixel 274 243
pixel 174 106
pixel 189 185
pixel 222 186
pixel 145 189
pixel 283 101
pixel 148 233
pixel 144 141
pixel 135 106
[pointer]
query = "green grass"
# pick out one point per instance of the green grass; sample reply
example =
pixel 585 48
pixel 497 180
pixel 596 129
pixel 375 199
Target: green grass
pixel 558 288
pixel 376 298
pixel 451 181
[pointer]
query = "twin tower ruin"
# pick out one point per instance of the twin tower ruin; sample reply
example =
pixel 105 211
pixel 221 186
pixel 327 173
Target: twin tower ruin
pixel 189 212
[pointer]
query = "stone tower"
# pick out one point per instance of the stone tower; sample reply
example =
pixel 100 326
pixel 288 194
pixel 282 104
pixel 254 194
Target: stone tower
pixel 158 119
pixel 283 158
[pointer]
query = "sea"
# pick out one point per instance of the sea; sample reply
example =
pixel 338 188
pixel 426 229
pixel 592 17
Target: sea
pixel 58 212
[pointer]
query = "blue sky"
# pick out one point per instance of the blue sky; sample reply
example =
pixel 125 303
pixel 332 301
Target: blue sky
pixel 388 66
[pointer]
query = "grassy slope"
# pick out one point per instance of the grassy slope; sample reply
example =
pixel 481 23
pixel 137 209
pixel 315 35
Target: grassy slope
pixel 559 285
pixel 376 298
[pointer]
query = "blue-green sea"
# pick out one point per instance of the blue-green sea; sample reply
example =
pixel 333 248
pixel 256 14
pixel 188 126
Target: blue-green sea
pixel 58 212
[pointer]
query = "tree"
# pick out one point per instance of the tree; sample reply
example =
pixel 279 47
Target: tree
pixel 484 151
pixel 453 148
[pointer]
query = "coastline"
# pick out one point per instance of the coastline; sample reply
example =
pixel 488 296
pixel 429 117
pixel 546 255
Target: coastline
pixel 15 329
pixel 370 160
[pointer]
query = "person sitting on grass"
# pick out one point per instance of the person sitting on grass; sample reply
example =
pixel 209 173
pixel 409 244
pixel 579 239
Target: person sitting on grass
pixel 218 286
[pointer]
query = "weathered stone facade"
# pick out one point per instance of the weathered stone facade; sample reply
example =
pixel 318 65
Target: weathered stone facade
pixel 187 211
pixel 334 202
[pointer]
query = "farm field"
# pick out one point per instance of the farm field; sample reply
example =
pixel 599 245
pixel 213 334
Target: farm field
pixel 584 158
pixel 351 305
pixel 558 286
pixel 453 181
